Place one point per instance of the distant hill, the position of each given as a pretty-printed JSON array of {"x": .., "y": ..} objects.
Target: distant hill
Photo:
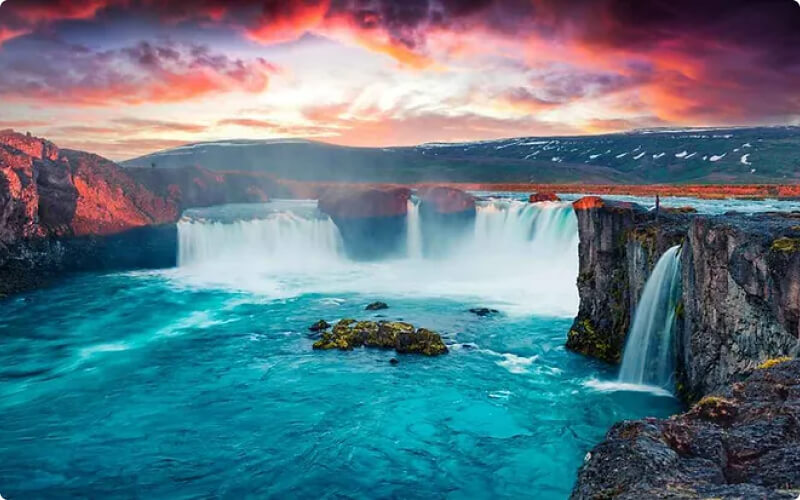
[{"x": 698, "y": 155}]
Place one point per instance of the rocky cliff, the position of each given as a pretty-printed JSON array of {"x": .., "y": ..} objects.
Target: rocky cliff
[
  {"x": 740, "y": 287},
  {"x": 742, "y": 443},
  {"x": 64, "y": 210},
  {"x": 741, "y": 297},
  {"x": 620, "y": 244}
]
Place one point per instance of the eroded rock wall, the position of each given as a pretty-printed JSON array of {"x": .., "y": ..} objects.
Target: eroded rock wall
[
  {"x": 620, "y": 244},
  {"x": 741, "y": 297}
]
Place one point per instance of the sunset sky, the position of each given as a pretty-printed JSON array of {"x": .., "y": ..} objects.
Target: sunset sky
[{"x": 127, "y": 77}]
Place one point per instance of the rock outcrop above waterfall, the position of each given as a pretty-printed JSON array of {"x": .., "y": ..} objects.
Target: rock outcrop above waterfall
[
  {"x": 620, "y": 244},
  {"x": 742, "y": 443},
  {"x": 405, "y": 338},
  {"x": 447, "y": 215},
  {"x": 372, "y": 221},
  {"x": 741, "y": 297},
  {"x": 543, "y": 196}
]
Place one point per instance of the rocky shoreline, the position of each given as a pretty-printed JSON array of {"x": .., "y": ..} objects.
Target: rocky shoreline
[{"x": 741, "y": 443}]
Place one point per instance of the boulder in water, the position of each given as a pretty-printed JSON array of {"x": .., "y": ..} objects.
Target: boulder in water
[
  {"x": 446, "y": 200},
  {"x": 319, "y": 326},
  {"x": 484, "y": 311},
  {"x": 377, "y": 306},
  {"x": 348, "y": 334},
  {"x": 543, "y": 196}
]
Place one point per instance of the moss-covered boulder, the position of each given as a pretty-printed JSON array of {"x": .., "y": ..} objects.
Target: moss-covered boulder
[{"x": 348, "y": 334}]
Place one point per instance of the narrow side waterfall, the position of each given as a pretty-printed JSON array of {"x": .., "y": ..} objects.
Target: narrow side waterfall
[
  {"x": 413, "y": 230},
  {"x": 649, "y": 351}
]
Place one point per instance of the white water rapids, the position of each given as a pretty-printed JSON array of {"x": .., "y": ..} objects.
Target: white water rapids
[{"x": 520, "y": 258}]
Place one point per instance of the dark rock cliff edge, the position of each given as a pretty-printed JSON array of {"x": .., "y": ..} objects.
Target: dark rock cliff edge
[{"x": 737, "y": 331}]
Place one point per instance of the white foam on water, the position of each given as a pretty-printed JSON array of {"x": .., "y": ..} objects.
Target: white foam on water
[
  {"x": 521, "y": 258},
  {"x": 616, "y": 386}
]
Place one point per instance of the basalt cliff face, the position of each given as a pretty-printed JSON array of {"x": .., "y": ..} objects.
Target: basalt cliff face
[
  {"x": 64, "y": 210},
  {"x": 740, "y": 282},
  {"x": 742, "y": 443},
  {"x": 620, "y": 244},
  {"x": 741, "y": 297}
]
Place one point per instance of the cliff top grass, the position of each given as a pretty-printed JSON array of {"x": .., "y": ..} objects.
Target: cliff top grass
[
  {"x": 786, "y": 245},
  {"x": 773, "y": 362}
]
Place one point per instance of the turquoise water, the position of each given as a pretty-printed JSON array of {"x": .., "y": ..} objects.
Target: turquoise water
[{"x": 164, "y": 385}]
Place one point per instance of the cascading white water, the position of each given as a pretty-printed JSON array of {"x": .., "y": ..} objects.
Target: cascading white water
[
  {"x": 413, "y": 230},
  {"x": 649, "y": 351},
  {"x": 520, "y": 257},
  {"x": 282, "y": 240}
]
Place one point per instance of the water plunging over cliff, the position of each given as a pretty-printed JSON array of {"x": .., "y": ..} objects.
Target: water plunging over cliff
[
  {"x": 518, "y": 257},
  {"x": 413, "y": 230},
  {"x": 283, "y": 239},
  {"x": 649, "y": 351}
]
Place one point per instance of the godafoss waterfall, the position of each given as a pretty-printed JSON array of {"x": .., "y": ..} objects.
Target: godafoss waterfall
[
  {"x": 200, "y": 381},
  {"x": 649, "y": 358}
]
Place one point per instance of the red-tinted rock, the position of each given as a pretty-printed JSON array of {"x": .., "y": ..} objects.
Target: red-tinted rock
[
  {"x": 356, "y": 202},
  {"x": 31, "y": 146},
  {"x": 588, "y": 202},
  {"x": 543, "y": 196},
  {"x": 446, "y": 200}
]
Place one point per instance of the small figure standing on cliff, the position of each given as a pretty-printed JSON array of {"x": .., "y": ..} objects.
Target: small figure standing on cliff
[{"x": 658, "y": 204}]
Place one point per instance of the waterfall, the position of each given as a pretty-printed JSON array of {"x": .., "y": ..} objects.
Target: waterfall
[
  {"x": 649, "y": 352},
  {"x": 281, "y": 240},
  {"x": 413, "y": 230},
  {"x": 548, "y": 228},
  {"x": 518, "y": 257}
]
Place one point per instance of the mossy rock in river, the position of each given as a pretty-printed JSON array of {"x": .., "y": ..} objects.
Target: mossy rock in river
[{"x": 348, "y": 334}]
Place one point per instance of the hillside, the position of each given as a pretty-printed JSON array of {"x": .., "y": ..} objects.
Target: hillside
[{"x": 730, "y": 155}]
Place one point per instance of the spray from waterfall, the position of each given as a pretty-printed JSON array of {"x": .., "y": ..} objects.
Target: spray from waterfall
[{"x": 649, "y": 351}]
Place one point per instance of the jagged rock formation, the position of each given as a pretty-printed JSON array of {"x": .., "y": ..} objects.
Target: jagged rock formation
[
  {"x": 64, "y": 210},
  {"x": 741, "y": 297},
  {"x": 372, "y": 221},
  {"x": 620, "y": 244},
  {"x": 446, "y": 216},
  {"x": 348, "y": 334},
  {"x": 740, "y": 287},
  {"x": 743, "y": 443}
]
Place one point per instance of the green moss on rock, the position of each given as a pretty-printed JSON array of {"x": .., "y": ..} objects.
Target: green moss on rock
[
  {"x": 584, "y": 338},
  {"x": 786, "y": 245},
  {"x": 348, "y": 334}
]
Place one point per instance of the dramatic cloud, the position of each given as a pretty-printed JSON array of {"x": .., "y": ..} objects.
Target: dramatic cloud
[
  {"x": 514, "y": 66},
  {"x": 77, "y": 76}
]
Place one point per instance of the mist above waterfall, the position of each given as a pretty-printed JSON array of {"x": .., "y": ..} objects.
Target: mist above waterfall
[{"x": 517, "y": 257}]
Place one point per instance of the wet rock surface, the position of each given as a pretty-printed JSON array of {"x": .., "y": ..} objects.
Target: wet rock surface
[
  {"x": 377, "y": 306},
  {"x": 403, "y": 337},
  {"x": 484, "y": 311},
  {"x": 742, "y": 443},
  {"x": 447, "y": 217}
]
